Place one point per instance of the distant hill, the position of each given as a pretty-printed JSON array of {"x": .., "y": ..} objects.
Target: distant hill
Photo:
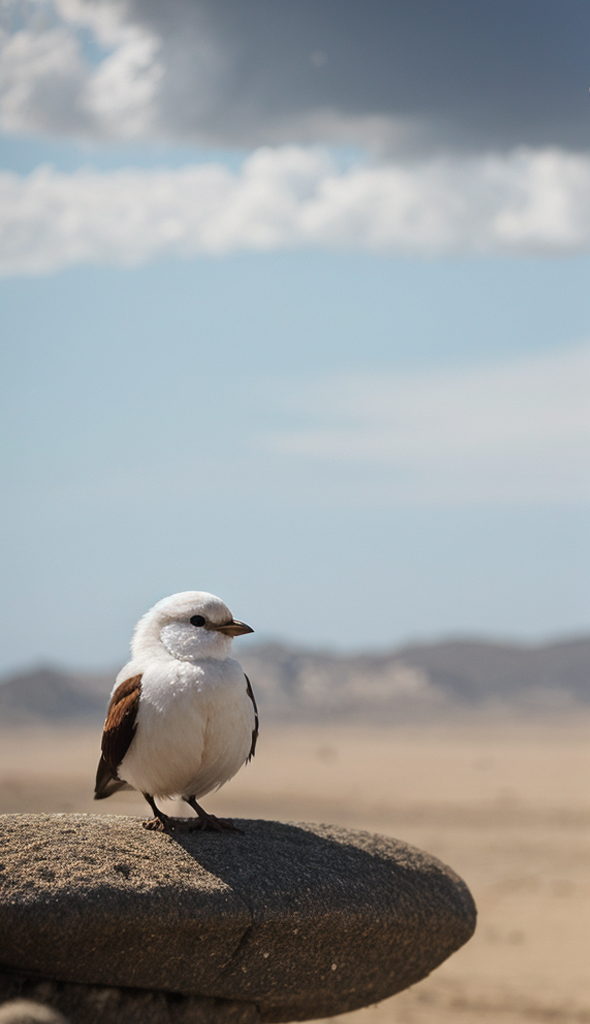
[
  {"x": 52, "y": 695},
  {"x": 422, "y": 678},
  {"x": 414, "y": 681}
]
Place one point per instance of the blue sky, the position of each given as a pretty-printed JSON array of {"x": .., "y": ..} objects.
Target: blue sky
[{"x": 344, "y": 391}]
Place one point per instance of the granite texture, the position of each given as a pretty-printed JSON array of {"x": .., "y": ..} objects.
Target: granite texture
[{"x": 278, "y": 922}]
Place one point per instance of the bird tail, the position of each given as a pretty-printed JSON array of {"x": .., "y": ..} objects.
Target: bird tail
[{"x": 106, "y": 783}]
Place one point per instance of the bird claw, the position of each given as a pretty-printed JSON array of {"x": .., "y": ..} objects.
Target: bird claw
[
  {"x": 168, "y": 825},
  {"x": 208, "y": 824},
  {"x": 212, "y": 824},
  {"x": 158, "y": 825}
]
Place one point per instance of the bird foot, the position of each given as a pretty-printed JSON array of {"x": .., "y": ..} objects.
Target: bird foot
[
  {"x": 209, "y": 823},
  {"x": 170, "y": 825},
  {"x": 204, "y": 823},
  {"x": 158, "y": 825}
]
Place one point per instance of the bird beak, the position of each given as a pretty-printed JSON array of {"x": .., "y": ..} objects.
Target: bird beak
[{"x": 233, "y": 628}]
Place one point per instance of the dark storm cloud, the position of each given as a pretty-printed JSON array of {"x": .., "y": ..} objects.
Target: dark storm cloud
[
  {"x": 487, "y": 72},
  {"x": 472, "y": 74}
]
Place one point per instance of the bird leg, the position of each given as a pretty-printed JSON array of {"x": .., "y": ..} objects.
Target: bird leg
[
  {"x": 160, "y": 822},
  {"x": 208, "y": 822},
  {"x": 165, "y": 823}
]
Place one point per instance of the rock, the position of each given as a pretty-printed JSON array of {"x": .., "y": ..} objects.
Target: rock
[
  {"x": 23, "y": 1011},
  {"x": 276, "y": 923}
]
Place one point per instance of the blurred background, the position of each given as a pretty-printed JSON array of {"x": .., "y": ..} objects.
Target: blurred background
[{"x": 295, "y": 309}]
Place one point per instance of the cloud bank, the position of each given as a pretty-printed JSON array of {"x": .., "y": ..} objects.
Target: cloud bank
[
  {"x": 476, "y": 122},
  {"x": 514, "y": 432},
  {"x": 524, "y": 203}
]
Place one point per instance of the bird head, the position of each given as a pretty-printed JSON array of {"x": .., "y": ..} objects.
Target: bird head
[{"x": 187, "y": 626}]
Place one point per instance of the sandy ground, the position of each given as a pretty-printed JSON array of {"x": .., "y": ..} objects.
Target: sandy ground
[{"x": 506, "y": 805}]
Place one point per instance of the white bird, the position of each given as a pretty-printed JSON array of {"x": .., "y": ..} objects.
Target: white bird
[{"x": 182, "y": 718}]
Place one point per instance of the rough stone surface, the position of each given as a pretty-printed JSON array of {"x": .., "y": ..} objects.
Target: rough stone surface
[{"x": 276, "y": 923}]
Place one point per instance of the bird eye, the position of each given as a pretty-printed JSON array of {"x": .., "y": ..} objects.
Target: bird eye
[{"x": 197, "y": 620}]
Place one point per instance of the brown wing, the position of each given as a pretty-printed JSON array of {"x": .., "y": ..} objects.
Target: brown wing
[
  {"x": 119, "y": 730},
  {"x": 255, "y": 729}
]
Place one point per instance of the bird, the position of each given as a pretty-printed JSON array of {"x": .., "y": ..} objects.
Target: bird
[{"x": 182, "y": 718}]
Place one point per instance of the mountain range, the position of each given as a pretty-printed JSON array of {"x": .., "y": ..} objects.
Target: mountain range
[{"x": 422, "y": 680}]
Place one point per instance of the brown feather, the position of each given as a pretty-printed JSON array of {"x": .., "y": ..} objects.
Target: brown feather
[
  {"x": 250, "y": 693},
  {"x": 119, "y": 730}
]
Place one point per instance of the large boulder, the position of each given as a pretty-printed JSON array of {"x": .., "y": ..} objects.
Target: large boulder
[{"x": 275, "y": 923}]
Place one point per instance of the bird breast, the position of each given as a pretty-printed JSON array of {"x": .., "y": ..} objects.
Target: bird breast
[{"x": 194, "y": 728}]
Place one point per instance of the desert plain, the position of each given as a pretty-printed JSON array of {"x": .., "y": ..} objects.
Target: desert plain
[{"x": 504, "y": 800}]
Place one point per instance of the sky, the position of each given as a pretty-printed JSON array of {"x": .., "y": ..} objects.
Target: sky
[{"x": 294, "y": 310}]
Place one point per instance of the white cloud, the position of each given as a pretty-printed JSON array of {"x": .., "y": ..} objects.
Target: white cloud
[
  {"x": 518, "y": 431},
  {"x": 527, "y": 202},
  {"x": 137, "y": 80},
  {"x": 40, "y": 75}
]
